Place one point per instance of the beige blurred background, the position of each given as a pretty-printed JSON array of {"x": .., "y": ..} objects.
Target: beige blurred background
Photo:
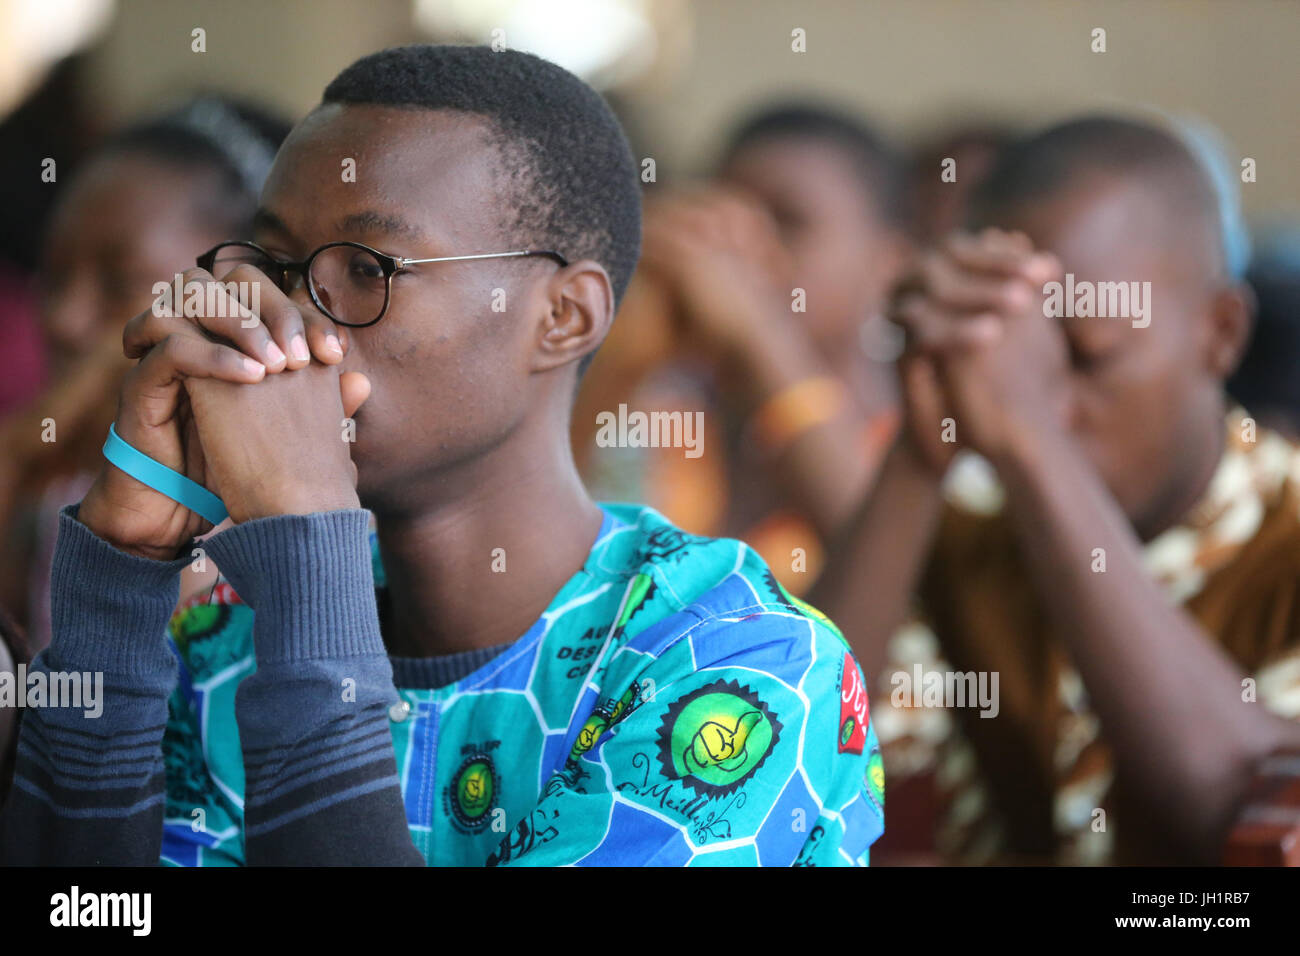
[{"x": 682, "y": 70}]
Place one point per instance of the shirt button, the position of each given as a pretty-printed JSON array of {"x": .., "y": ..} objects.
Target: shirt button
[{"x": 399, "y": 712}]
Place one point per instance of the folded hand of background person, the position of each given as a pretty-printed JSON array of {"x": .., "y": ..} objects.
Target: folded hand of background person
[
  {"x": 721, "y": 256},
  {"x": 154, "y": 409},
  {"x": 980, "y": 351}
]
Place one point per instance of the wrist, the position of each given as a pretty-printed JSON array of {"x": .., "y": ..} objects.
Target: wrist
[
  {"x": 753, "y": 343},
  {"x": 294, "y": 498},
  {"x": 910, "y": 459},
  {"x": 1029, "y": 450},
  {"x": 99, "y": 517},
  {"x": 310, "y": 578},
  {"x": 796, "y": 409}
]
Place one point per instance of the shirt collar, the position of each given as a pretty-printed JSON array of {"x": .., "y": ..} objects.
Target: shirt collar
[{"x": 1255, "y": 466}]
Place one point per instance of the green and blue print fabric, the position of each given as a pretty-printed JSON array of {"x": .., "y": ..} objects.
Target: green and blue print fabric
[{"x": 674, "y": 705}]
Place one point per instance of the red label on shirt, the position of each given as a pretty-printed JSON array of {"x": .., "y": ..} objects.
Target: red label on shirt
[{"x": 854, "y": 715}]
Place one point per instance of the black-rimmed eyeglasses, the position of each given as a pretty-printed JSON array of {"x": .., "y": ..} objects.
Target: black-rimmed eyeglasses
[{"x": 349, "y": 282}]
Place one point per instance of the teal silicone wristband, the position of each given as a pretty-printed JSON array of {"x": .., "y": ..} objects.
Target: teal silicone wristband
[{"x": 162, "y": 479}]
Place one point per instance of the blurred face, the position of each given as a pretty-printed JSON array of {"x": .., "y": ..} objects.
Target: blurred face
[
  {"x": 450, "y": 377},
  {"x": 125, "y": 223},
  {"x": 1142, "y": 398},
  {"x": 843, "y": 255}
]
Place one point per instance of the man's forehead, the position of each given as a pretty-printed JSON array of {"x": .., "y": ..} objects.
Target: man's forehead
[
  {"x": 374, "y": 130},
  {"x": 1107, "y": 227},
  {"x": 364, "y": 222},
  {"x": 360, "y": 169}
]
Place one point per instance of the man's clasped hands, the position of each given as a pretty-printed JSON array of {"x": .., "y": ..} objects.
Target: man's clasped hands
[{"x": 210, "y": 399}]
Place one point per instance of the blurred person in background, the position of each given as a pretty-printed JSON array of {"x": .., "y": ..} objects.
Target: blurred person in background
[
  {"x": 759, "y": 303},
  {"x": 55, "y": 123},
  {"x": 1133, "y": 586},
  {"x": 142, "y": 206}
]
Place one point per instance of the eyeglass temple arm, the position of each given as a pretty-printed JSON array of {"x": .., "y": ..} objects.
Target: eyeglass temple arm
[{"x": 486, "y": 255}]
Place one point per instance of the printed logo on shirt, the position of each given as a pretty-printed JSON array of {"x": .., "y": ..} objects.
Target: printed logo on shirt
[
  {"x": 809, "y": 849},
  {"x": 716, "y": 737},
  {"x": 607, "y": 714},
  {"x": 198, "y": 622},
  {"x": 472, "y": 793},
  {"x": 667, "y": 542},
  {"x": 876, "y": 778},
  {"x": 640, "y": 593},
  {"x": 854, "y": 715}
]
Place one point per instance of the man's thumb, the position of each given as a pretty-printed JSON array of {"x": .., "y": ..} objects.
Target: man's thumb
[{"x": 355, "y": 389}]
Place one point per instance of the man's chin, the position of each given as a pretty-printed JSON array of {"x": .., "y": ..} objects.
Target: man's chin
[
  {"x": 367, "y": 473},
  {"x": 377, "y": 490},
  {"x": 366, "y": 484}
]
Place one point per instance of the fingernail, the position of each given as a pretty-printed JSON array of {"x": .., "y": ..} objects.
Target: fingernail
[
  {"x": 332, "y": 344},
  {"x": 274, "y": 354},
  {"x": 298, "y": 346},
  {"x": 254, "y": 367}
]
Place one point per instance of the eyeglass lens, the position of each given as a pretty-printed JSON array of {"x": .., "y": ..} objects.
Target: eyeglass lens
[{"x": 349, "y": 283}]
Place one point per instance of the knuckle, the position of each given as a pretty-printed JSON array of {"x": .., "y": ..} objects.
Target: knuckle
[
  {"x": 149, "y": 327},
  {"x": 942, "y": 279},
  {"x": 243, "y": 269},
  {"x": 290, "y": 314},
  {"x": 136, "y": 325},
  {"x": 930, "y": 264},
  {"x": 955, "y": 243},
  {"x": 171, "y": 348}
]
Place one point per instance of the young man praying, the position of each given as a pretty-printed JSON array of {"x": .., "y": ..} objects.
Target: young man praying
[
  {"x": 1134, "y": 583},
  {"x": 508, "y": 673}
]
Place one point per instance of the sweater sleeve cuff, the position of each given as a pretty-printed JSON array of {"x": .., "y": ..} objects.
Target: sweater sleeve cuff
[
  {"x": 310, "y": 580},
  {"x": 109, "y": 609}
]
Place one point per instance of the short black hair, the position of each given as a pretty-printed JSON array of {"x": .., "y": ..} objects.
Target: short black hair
[
  {"x": 1046, "y": 162},
  {"x": 879, "y": 166},
  {"x": 575, "y": 183},
  {"x": 234, "y": 139}
]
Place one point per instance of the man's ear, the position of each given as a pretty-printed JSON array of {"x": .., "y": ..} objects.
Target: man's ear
[
  {"x": 1231, "y": 320},
  {"x": 581, "y": 307}
]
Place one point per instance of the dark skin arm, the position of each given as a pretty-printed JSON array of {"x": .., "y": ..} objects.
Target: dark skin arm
[
  {"x": 269, "y": 446},
  {"x": 1168, "y": 698},
  {"x": 885, "y": 544},
  {"x": 889, "y": 536}
]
